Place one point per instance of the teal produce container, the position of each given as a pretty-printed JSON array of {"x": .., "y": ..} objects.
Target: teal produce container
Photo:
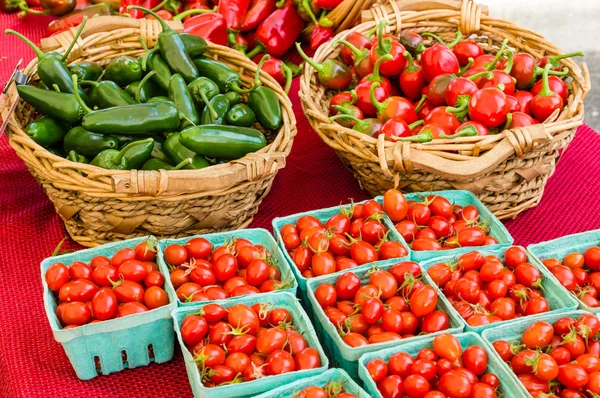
[
  {"x": 509, "y": 384},
  {"x": 346, "y": 357},
  {"x": 254, "y": 387},
  {"x": 558, "y": 298},
  {"x": 257, "y": 236},
  {"x": 559, "y": 248},
  {"x": 116, "y": 344}
]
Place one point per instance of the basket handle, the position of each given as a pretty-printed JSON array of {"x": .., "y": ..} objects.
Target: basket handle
[
  {"x": 149, "y": 30},
  {"x": 250, "y": 168},
  {"x": 517, "y": 141}
]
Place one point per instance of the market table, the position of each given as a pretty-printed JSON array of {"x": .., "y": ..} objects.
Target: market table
[{"x": 32, "y": 364}]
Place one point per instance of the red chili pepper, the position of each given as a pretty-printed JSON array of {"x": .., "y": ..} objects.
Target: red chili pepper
[
  {"x": 359, "y": 41},
  {"x": 278, "y": 70},
  {"x": 466, "y": 49},
  {"x": 388, "y": 45},
  {"x": 327, "y": 4},
  {"x": 359, "y": 58},
  {"x": 211, "y": 27},
  {"x": 258, "y": 11},
  {"x": 341, "y": 99},
  {"x": 234, "y": 12},
  {"x": 81, "y": 4},
  {"x": 546, "y": 101},
  {"x": 413, "y": 42},
  {"x": 197, "y": 5},
  {"x": 481, "y": 129},
  {"x": 489, "y": 106},
  {"x": 525, "y": 70},
  {"x": 331, "y": 74},
  {"x": 441, "y": 116},
  {"x": 519, "y": 119},
  {"x": 439, "y": 58},
  {"x": 424, "y": 107},
  {"x": 513, "y": 104},
  {"x": 524, "y": 99},
  {"x": 136, "y": 14},
  {"x": 556, "y": 84},
  {"x": 278, "y": 33},
  {"x": 411, "y": 79},
  {"x": 352, "y": 111},
  {"x": 436, "y": 89},
  {"x": 320, "y": 35},
  {"x": 461, "y": 89},
  {"x": 73, "y": 19},
  {"x": 397, "y": 128},
  {"x": 393, "y": 107},
  {"x": 363, "y": 89}
]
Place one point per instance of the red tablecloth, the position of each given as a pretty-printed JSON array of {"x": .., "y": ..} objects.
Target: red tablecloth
[{"x": 32, "y": 364}]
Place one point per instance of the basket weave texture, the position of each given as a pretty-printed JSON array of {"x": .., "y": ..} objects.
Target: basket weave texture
[
  {"x": 99, "y": 205},
  {"x": 507, "y": 171}
]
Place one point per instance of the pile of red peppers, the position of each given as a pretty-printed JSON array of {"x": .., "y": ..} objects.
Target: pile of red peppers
[{"x": 410, "y": 91}]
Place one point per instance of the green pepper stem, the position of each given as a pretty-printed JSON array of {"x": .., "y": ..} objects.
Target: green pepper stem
[
  {"x": 324, "y": 21},
  {"x": 380, "y": 106},
  {"x": 457, "y": 38},
  {"x": 193, "y": 11},
  {"x": 72, "y": 156},
  {"x": 138, "y": 93},
  {"x": 343, "y": 110},
  {"x": 79, "y": 31},
  {"x": 310, "y": 61},
  {"x": 280, "y": 3},
  {"x": 88, "y": 83},
  {"x": 383, "y": 47},
  {"x": 416, "y": 124},
  {"x": 258, "y": 69},
  {"x": 81, "y": 103},
  {"x": 56, "y": 88},
  {"x": 375, "y": 76},
  {"x": 165, "y": 26},
  {"x": 359, "y": 54},
  {"x": 466, "y": 67},
  {"x": 509, "y": 63},
  {"x": 555, "y": 58},
  {"x": 295, "y": 69},
  {"x": 410, "y": 62},
  {"x": 467, "y": 131},
  {"x": 287, "y": 72},
  {"x": 509, "y": 118},
  {"x": 420, "y": 103},
  {"x": 540, "y": 71},
  {"x": 119, "y": 156},
  {"x": 371, "y": 32},
  {"x": 306, "y": 5},
  {"x": 212, "y": 111},
  {"x": 434, "y": 37},
  {"x": 463, "y": 105},
  {"x": 256, "y": 50},
  {"x": 423, "y": 136},
  {"x": 487, "y": 75},
  {"x": 359, "y": 124},
  {"x": 546, "y": 91},
  {"x": 492, "y": 65},
  {"x": 39, "y": 53},
  {"x": 183, "y": 163},
  {"x": 159, "y": 6},
  {"x": 26, "y": 10}
]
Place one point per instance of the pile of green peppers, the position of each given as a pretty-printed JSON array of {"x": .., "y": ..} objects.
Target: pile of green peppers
[{"x": 171, "y": 108}]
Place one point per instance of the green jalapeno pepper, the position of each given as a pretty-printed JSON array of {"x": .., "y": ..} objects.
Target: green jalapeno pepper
[
  {"x": 233, "y": 97},
  {"x": 172, "y": 49},
  {"x": 137, "y": 155},
  {"x": 113, "y": 159},
  {"x": 194, "y": 45},
  {"x": 178, "y": 153},
  {"x": 60, "y": 106},
  {"x": 266, "y": 106},
  {"x": 226, "y": 78},
  {"x": 41, "y": 85},
  {"x": 86, "y": 143},
  {"x": 159, "y": 153},
  {"x": 123, "y": 70},
  {"x": 46, "y": 131},
  {"x": 160, "y": 98},
  {"x": 107, "y": 94},
  {"x": 223, "y": 142},
  {"x": 220, "y": 106},
  {"x": 157, "y": 164},
  {"x": 75, "y": 157},
  {"x": 86, "y": 70},
  {"x": 240, "y": 115},
  {"x": 51, "y": 67},
  {"x": 147, "y": 91},
  {"x": 203, "y": 90},
  {"x": 152, "y": 60},
  {"x": 181, "y": 97},
  {"x": 56, "y": 152}
]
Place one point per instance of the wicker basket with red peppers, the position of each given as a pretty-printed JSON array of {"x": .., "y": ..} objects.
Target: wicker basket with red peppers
[{"x": 467, "y": 107}]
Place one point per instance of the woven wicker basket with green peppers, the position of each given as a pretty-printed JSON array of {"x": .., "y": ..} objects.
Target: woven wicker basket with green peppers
[{"x": 171, "y": 108}]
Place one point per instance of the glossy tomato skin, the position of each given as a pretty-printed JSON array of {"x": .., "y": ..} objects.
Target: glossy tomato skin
[
  {"x": 56, "y": 276},
  {"x": 79, "y": 290},
  {"x": 391, "y": 387}
]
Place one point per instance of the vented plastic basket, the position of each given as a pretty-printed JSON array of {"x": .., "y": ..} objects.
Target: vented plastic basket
[
  {"x": 514, "y": 331},
  {"x": 254, "y": 387},
  {"x": 559, "y": 248},
  {"x": 257, "y": 236},
  {"x": 116, "y": 344},
  {"x": 346, "y": 357},
  {"x": 558, "y": 298},
  {"x": 336, "y": 375},
  {"x": 510, "y": 386}
]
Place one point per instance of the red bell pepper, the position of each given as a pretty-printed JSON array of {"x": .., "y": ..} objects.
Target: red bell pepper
[
  {"x": 258, "y": 11},
  {"x": 234, "y": 12},
  {"x": 327, "y": 4},
  {"x": 137, "y": 14},
  {"x": 278, "y": 33},
  {"x": 320, "y": 35},
  {"x": 150, "y": 4},
  {"x": 75, "y": 18},
  {"x": 211, "y": 27}
]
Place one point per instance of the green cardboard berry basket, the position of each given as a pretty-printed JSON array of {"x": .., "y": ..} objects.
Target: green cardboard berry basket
[
  {"x": 559, "y": 248},
  {"x": 514, "y": 331},
  {"x": 558, "y": 298},
  {"x": 332, "y": 375},
  {"x": 252, "y": 388},
  {"x": 509, "y": 384},
  {"x": 346, "y": 357},
  {"x": 257, "y": 236},
  {"x": 116, "y": 344}
]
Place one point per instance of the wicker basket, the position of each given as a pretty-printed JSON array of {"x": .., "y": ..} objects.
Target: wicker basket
[
  {"x": 345, "y": 15},
  {"x": 99, "y": 205},
  {"x": 507, "y": 171}
]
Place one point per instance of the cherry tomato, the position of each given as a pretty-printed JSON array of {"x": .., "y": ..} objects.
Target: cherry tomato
[
  {"x": 424, "y": 368},
  {"x": 98, "y": 261},
  {"x": 175, "y": 254},
  {"x": 121, "y": 256},
  {"x": 423, "y": 301},
  {"x": 279, "y": 362},
  {"x": 104, "y": 304},
  {"x": 80, "y": 270},
  {"x": 133, "y": 270},
  {"x": 416, "y": 385},
  {"x": 131, "y": 309},
  {"x": 407, "y": 229},
  {"x": 377, "y": 369},
  {"x": 155, "y": 297},
  {"x": 434, "y": 322},
  {"x": 447, "y": 346},
  {"x": 538, "y": 335},
  {"x": 391, "y": 387},
  {"x": 279, "y": 316},
  {"x": 237, "y": 361},
  {"x": 79, "y": 290},
  {"x": 307, "y": 359},
  {"x": 355, "y": 339},
  {"x": 338, "y": 224},
  {"x": 242, "y": 316},
  {"x": 372, "y": 310},
  {"x": 56, "y": 276},
  {"x": 211, "y": 355},
  {"x": 591, "y": 258},
  {"x": 455, "y": 384},
  {"x": 326, "y": 295},
  {"x": 306, "y": 222},
  {"x": 225, "y": 267},
  {"x": 295, "y": 342},
  {"x": 178, "y": 277},
  {"x": 198, "y": 248},
  {"x": 572, "y": 375},
  {"x": 272, "y": 339},
  {"x": 363, "y": 252},
  {"x": 395, "y": 205},
  {"x": 76, "y": 313}
]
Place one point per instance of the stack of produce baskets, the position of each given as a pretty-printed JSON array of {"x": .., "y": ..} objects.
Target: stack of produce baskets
[
  {"x": 100, "y": 205},
  {"x": 507, "y": 171}
]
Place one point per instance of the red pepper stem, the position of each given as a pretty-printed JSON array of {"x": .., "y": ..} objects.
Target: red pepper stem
[
  {"x": 420, "y": 103},
  {"x": 423, "y": 136},
  {"x": 354, "y": 97},
  {"x": 343, "y": 110},
  {"x": 280, "y": 3},
  {"x": 411, "y": 63},
  {"x": 287, "y": 72},
  {"x": 546, "y": 91},
  {"x": 306, "y": 5},
  {"x": 324, "y": 21},
  {"x": 81, "y": 26},
  {"x": 257, "y": 73},
  {"x": 380, "y": 106},
  {"x": 256, "y": 50},
  {"x": 138, "y": 94},
  {"x": 165, "y": 26},
  {"x": 487, "y": 75},
  {"x": 81, "y": 103},
  {"x": 39, "y": 53},
  {"x": 371, "y": 32},
  {"x": 194, "y": 11},
  {"x": 467, "y": 131},
  {"x": 457, "y": 38},
  {"x": 555, "y": 58},
  {"x": 540, "y": 71},
  {"x": 416, "y": 124},
  {"x": 375, "y": 76},
  {"x": 359, "y": 54},
  {"x": 463, "y": 105},
  {"x": 346, "y": 117},
  {"x": 466, "y": 67},
  {"x": 383, "y": 47},
  {"x": 310, "y": 61},
  {"x": 509, "y": 118},
  {"x": 509, "y": 64},
  {"x": 492, "y": 65}
]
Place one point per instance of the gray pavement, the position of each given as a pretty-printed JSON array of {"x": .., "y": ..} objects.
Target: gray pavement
[{"x": 592, "y": 101}]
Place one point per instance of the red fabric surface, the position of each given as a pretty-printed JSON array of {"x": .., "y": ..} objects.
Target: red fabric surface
[{"x": 32, "y": 364}]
